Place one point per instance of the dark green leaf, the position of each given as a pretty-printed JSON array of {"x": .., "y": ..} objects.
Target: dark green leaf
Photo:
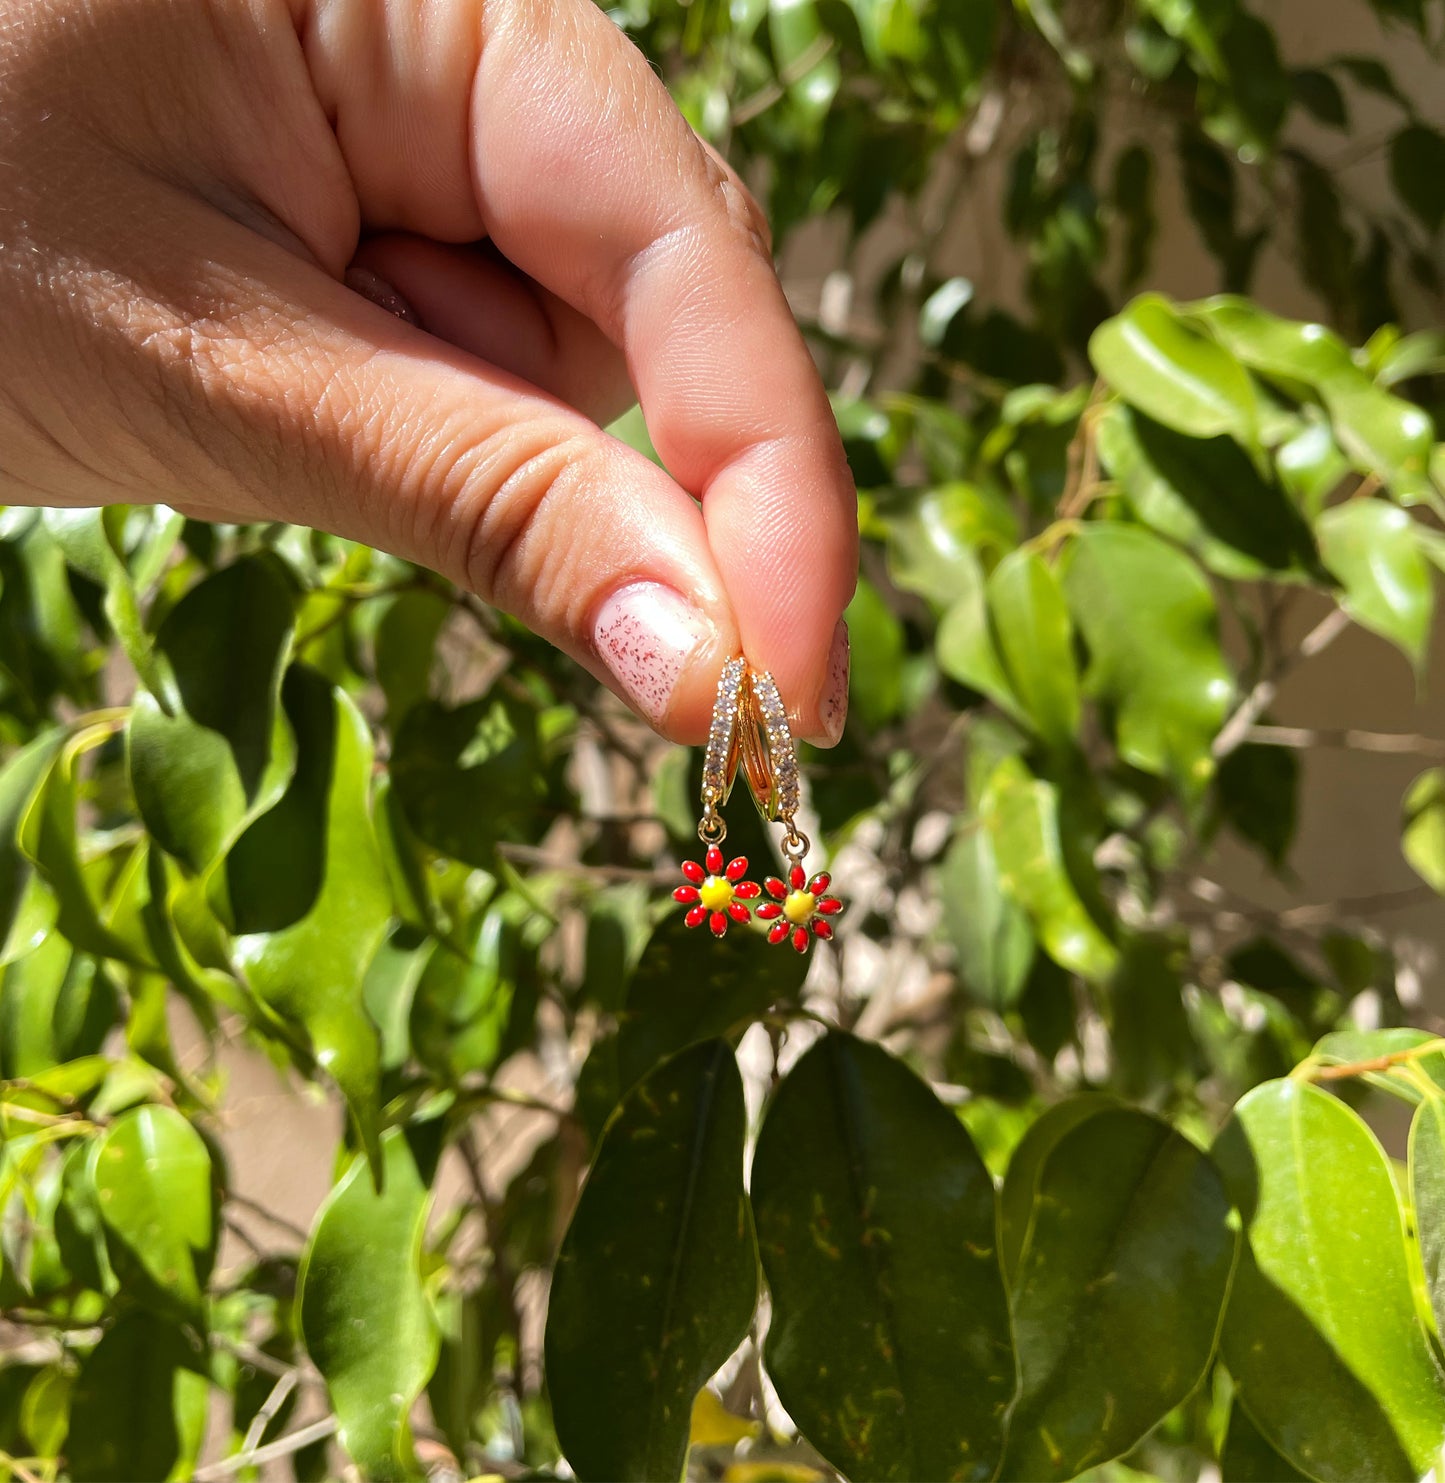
[
  {"x": 1153, "y": 1045},
  {"x": 305, "y": 954},
  {"x": 889, "y": 1342},
  {"x": 1134, "y": 203},
  {"x": 1107, "y": 1343},
  {"x": 657, "y": 1277},
  {"x": 26, "y": 908},
  {"x": 1148, "y": 617},
  {"x": 138, "y": 1411},
  {"x": 1258, "y": 792},
  {"x": 1320, "y": 95},
  {"x": 1371, "y": 547},
  {"x": 1326, "y": 246},
  {"x": 1151, "y": 357},
  {"x": 54, "y": 1007},
  {"x": 209, "y": 752},
  {"x": 1322, "y": 1336},
  {"x": 1247, "y": 1456},
  {"x": 406, "y": 640},
  {"x": 364, "y": 1314},
  {"x": 1417, "y": 171}
]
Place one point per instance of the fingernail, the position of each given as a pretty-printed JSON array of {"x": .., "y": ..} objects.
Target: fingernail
[
  {"x": 833, "y": 707},
  {"x": 645, "y": 634},
  {"x": 374, "y": 287}
]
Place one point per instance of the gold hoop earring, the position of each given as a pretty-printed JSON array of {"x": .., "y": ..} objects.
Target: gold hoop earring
[
  {"x": 715, "y": 890},
  {"x": 799, "y": 909}
]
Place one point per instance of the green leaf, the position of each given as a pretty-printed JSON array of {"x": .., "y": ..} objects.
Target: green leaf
[
  {"x": 877, "y": 652},
  {"x": 469, "y": 777},
  {"x": 1134, "y": 203},
  {"x": 989, "y": 931},
  {"x": 305, "y": 952},
  {"x": 1033, "y": 634},
  {"x": 1325, "y": 246},
  {"x": 1423, "y": 838},
  {"x": 26, "y": 909},
  {"x": 364, "y": 1315},
  {"x": 1148, "y": 1024},
  {"x": 1151, "y": 357},
  {"x": 889, "y": 1342},
  {"x": 1319, "y": 94},
  {"x": 1021, "y": 1183},
  {"x": 406, "y": 639},
  {"x": 55, "y": 1006},
  {"x": 1206, "y": 495},
  {"x": 1311, "y": 467},
  {"x": 208, "y": 752},
  {"x": 1148, "y": 617},
  {"x": 1021, "y": 815},
  {"x": 803, "y": 56},
  {"x": 1417, "y": 171},
  {"x": 1322, "y": 1335},
  {"x": 1427, "y": 1195},
  {"x": 1247, "y": 1456},
  {"x": 657, "y": 1276},
  {"x": 138, "y": 1411},
  {"x": 1373, "y": 76},
  {"x": 1107, "y": 1348},
  {"x": 965, "y": 644},
  {"x": 153, "y": 1181},
  {"x": 1372, "y": 548},
  {"x": 1257, "y": 788},
  {"x": 689, "y": 987},
  {"x": 935, "y": 537}
]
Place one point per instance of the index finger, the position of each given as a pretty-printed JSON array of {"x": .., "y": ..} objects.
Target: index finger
[{"x": 585, "y": 175}]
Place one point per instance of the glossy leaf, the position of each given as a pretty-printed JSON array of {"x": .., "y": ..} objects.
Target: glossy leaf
[
  {"x": 1322, "y": 1335},
  {"x": 55, "y": 1006},
  {"x": 1035, "y": 638},
  {"x": 989, "y": 931},
  {"x": 877, "y": 652},
  {"x": 1021, "y": 815},
  {"x": 1148, "y": 618},
  {"x": 1151, "y": 357},
  {"x": 364, "y": 1315},
  {"x": 23, "y": 919},
  {"x": 1423, "y": 838},
  {"x": 1247, "y": 1456},
  {"x": 889, "y": 1342},
  {"x": 1371, "y": 547},
  {"x": 208, "y": 752},
  {"x": 153, "y": 1182},
  {"x": 935, "y": 539},
  {"x": 1204, "y": 494},
  {"x": 1118, "y": 1293},
  {"x": 965, "y": 641},
  {"x": 310, "y": 940},
  {"x": 632, "y": 1338},
  {"x": 1427, "y": 1196},
  {"x": 406, "y": 640},
  {"x": 138, "y": 1411}
]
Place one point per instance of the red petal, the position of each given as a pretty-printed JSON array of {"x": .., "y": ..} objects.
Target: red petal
[
  {"x": 685, "y": 894},
  {"x": 714, "y": 859},
  {"x": 696, "y": 917},
  {"x": 797, "y": 877},
  {"x": 822, "y": 929},
  {"x": 746, "y": 890},
  {"x": 694, "y": 872},
  {"x": 779, "y": 932},
  {"x": 800, "y": 939},
  {"x": 768, "y": 910},
  {"x": 738, "y": 868},
  {"x": 775, "y": 888},
  {"x": 718, "y": 922},
  {"x": 830, "y": 906},
  {"x": 738, "y": 912},
  {"x": 819, "y": 883}
]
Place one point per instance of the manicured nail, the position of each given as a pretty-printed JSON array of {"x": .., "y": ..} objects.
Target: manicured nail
[
  {"x": 374, "y": 287},
  {"x": 833, "y": 707},
  {"x": 645, "y": 634}
]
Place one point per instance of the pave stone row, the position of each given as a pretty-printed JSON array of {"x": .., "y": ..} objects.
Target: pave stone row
[
  {"x": 724, "y": 726},
  {"x": 780, "y": 742}
]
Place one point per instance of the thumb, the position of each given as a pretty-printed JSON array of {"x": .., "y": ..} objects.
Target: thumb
[{"x": 334, "y": 413}]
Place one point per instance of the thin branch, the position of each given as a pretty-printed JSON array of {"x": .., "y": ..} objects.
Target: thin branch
[
  {"x": 1303, "y": 737},
  {"x": 271, "y": 1452},
  {"x": 17, "y": 1467},
  {"x": 235, "y": 1197},
  {"x": 1236, "y": 729},
  {"x": 765, "y": 97},
  {"x": 263, "y": 1418},
  {"x": 1374, "y": 1063}
]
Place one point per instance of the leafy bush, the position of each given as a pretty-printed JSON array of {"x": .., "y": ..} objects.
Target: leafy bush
[{"x": 1107, "y": 1195}]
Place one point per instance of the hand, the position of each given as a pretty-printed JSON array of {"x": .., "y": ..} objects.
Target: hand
[{"x": 186, "y": 190}]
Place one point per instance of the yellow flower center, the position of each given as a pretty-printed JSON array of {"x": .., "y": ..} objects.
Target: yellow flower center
[
  {"x": 799, "y": 907},
  {"x": 716, "y": 893}
]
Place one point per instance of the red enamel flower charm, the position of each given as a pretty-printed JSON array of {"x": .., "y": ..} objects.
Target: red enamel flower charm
[
  {"x": 799, "y": 907},
  {"x": 715, "y": 895}
]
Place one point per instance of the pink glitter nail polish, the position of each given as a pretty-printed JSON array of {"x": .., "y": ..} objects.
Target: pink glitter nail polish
[{"x": 644, "y": 634}]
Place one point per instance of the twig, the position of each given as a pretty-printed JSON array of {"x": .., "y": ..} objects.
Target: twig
[
  {"x": 1375, "y": 1063},
  {"x": 525, "y": 854},
  {"x": 235, "y": 1197},
  {"x": 1236, "y": 729},
  {"x": 271, "y": 1452},
  {"x": 765, "y": 97},
  {"x": 283, "y": 1387},
  {"x": 1411, "y": 744},
  {"x": 17, "y": 1467}
]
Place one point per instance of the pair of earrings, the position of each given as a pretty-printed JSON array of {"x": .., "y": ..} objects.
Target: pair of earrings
[{"x": 750, "y": 726}]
